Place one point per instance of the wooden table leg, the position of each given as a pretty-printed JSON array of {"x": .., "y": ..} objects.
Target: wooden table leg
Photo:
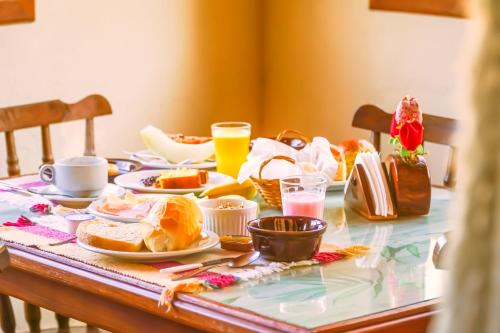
[
  {"x": 7, "y": 320},
  {"x": 33, "y": 316},
  {"x": 62, "y": 321}
]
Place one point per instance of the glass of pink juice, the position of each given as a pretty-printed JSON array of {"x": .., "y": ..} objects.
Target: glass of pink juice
[{"x": 303, "y": 195}]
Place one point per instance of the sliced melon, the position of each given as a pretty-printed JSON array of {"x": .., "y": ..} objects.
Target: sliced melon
[{"x": 175, "y": 152}]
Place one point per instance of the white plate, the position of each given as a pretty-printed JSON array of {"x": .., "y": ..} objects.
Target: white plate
[
  {"x": 160, "y": 163},
  {"x": 336, "y": 186},
  {"x": 132, "y": 181},
  {"x": 209, "y": 240},
  {"x": 92, "y": 209},
  {"x": 75, "y": 202}
]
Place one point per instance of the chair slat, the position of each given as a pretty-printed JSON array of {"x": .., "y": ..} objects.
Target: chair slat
[
  {"x": 12, "y": 160},
  {"x": 89, "y": 137},
  {"x": 50, "y": 112},
  {"x": 47, "y": 156}
]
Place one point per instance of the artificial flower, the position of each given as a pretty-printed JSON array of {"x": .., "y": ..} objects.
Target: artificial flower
[
  {"x": 411, "y": 135},
  {"x": 394, "y": 126},
  {"x": 408, "y": 110}
]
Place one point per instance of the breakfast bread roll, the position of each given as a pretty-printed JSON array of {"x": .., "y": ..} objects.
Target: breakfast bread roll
[
  {"x": 352, "y": 147},
  {"x": 174, "y": 223},
  {"x": 338, "y": 154}
]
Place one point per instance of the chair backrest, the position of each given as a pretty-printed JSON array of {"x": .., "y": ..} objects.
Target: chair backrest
[
  {"x": 45, "y": 113},
  {"x": 437, "y": 130}
]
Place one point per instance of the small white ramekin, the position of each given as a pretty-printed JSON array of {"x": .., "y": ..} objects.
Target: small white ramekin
[{"x": 227, "y": 221}]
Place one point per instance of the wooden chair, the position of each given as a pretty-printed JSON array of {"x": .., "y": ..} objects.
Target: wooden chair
[
  {"x": 43, "y": 115},
  {"x": 437, "y": 130}
]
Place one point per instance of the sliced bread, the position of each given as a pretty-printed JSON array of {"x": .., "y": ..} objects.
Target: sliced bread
[{"x": 111, "y": 235}]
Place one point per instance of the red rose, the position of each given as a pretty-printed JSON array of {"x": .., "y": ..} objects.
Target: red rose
[
  {"x": 411, "y": 135},
  {"x": 394, "y": 126}
]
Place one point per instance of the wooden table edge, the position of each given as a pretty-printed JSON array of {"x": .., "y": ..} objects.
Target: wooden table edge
[
  {"x": 193, "y": 310},
  {"x": 382, "y": 321}
]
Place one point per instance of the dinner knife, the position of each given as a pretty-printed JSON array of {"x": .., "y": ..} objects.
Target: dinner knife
[{"x": 188, "y": 267}]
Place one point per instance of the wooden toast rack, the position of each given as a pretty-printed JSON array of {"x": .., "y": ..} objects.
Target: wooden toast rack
[{"x": 409, "y": 188}]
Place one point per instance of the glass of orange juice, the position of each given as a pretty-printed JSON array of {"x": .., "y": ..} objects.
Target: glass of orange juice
[{"x": 232, "y": 142}]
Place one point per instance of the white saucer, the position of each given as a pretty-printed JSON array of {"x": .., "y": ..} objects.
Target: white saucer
[
  {"x": 51, "y": 193},
  {"x": 209, "y": 240}
]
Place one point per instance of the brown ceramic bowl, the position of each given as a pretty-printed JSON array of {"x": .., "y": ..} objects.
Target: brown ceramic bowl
[{"x": 287, "y": 238}]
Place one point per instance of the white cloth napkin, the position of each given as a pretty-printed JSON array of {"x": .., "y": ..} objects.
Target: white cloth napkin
[{"x": 314, "y": 158}]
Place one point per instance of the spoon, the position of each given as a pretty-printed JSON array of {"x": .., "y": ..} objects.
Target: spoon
[{"x": 237, "y": 262}]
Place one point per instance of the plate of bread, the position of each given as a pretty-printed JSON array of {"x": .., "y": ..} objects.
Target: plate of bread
[
  {"x": 172, "y": 228},
  {"x": 173, "y": 181}
]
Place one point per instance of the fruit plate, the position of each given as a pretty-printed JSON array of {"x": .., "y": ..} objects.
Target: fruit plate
[
  {"x": 209, "y": 240},
  {"x": 94, "y": 209},
  {"x": 154, "y": 161},
  {"x": 133, "y": 181}
]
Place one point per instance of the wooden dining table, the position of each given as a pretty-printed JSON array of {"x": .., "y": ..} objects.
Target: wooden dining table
[{"x": 395, "y": 288}]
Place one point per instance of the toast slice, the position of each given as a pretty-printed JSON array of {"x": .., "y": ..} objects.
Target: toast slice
[
  {"x": 183, "y": 178},
  {"x": 110, "y": 235}
]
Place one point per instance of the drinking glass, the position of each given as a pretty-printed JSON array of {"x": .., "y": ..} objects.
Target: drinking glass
[
  {"x": 232, "y": 142},
  {"x": 303, "y": 195}
]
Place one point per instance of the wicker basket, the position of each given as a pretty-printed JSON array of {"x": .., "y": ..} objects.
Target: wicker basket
[
  {"x": 288, "y": 135},
  {"x": 270, "y": 188}
]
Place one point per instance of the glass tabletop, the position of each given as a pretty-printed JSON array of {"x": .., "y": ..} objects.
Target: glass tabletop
[{"x": 399, "y": 270}]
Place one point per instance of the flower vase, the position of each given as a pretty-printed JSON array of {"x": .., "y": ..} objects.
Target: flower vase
[{"x": 411, "y": 183}]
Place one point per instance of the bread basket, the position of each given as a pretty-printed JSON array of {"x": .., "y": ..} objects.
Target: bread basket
[
  {"x": 270, "y": 188},
  {"x": 293, "y": 138}
]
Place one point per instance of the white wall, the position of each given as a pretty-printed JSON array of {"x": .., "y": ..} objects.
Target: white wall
[
  {"x": 326, "y": 58},
  {"x": 177, "y": 64}
]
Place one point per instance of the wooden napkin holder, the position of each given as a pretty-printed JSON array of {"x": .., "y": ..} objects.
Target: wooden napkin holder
[
  {"x": 409, "y": 186},
  {"x": 358, "y": 195}
]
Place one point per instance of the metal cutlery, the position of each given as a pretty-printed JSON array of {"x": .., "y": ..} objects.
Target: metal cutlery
[
  {"x": 69, "y": 240},
  {"x": 237, "y": 262},
  {"x": 188, "y": 267},
  {"x": 142, "y": 156},
  {"x": 30, "y": 191}
]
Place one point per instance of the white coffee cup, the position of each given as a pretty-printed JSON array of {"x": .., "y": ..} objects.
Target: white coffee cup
[{"x": 80, "y": 177}]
